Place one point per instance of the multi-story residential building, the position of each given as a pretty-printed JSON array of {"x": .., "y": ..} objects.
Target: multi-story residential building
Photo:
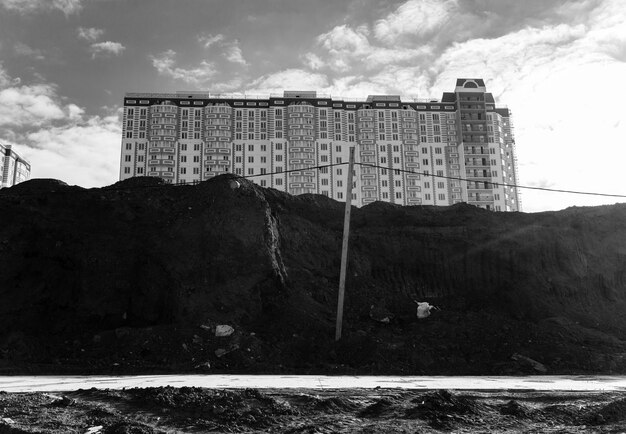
[
  {"x": 433, "y": 152},
  {"x": 13, "y": 168}
]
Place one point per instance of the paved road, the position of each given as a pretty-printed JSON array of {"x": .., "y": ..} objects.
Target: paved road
[{"x": 541, "y": 383}]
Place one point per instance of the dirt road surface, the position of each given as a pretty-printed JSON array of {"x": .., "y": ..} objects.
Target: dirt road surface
[{"x": 194, "y": 410}]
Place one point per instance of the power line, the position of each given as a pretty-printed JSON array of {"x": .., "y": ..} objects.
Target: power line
[
  {"x": 495, "y": 183},
  {"x": 456, "y": 178},
  {"x": 293, "y": 170}
]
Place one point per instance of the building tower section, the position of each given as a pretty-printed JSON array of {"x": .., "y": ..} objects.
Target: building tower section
[
  {"x": 13, "y": 168},
  {"x": 460, "y": 148}
]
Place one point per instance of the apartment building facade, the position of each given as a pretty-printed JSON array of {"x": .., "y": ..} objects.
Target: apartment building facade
[
  {"x": 13, "y": 168},
  {"x": 436, "y": 152}
]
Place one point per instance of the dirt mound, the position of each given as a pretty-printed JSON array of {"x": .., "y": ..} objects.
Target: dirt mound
[
  {"x": 137, "y": 182},
  {"x": 41, "y": 185},
  {"x": 125, "y": 277}
]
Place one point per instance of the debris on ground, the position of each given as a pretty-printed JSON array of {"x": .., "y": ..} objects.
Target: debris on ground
[{"x": 223, "y": 330}]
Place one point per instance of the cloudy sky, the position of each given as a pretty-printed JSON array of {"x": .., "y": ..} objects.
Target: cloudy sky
[{"x": 559, "y": 65}]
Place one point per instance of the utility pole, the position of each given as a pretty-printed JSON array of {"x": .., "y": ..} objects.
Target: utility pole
[{"x": 344, "y": 247}]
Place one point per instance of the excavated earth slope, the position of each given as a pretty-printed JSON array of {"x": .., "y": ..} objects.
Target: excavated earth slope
[{"x": 135, "y": 277}]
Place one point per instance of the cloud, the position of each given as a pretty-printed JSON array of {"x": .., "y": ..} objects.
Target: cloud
[
  {"x": 68, "y": 7},
  {"x": 288, "y": 79},
  {"x": 415, "y": 17},
  {"x": 56, "y": 137},
  {"x": 90, "y": 34},
  {"x": 233, "y": 54},
  {"x": 84, "y": 153},
  {"x": 34, "y": 105},
  {"x": 207, "y": 39},
  {"x": 344, "y": 48},
  {"x": 230, "y": 49},
  {"x": 107, "y": 48},
  {"x": 24, "y": 50},
  {"x": 165, "y": 64},
  {"x": 313, "y": 61}
]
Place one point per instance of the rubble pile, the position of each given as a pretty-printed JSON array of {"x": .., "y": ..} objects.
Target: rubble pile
[{"x": 142, "y": 276}]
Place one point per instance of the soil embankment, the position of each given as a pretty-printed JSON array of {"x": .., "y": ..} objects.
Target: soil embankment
[{"x": 135, "y": 277}]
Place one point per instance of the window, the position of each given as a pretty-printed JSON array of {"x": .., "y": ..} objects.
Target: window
[
  {"x": 437, "y": 150},
  {"x": 279, "y": 158},
  {"x": 425, "y": 161},
  {"x": 196, "y": 147},
  {"x": 196, "y": 159},
  {"x": 238, "y": 159},
  {"x": 396, "y": 148},
  {"x": 396, "y": 160},
  {"x": 251, "y": 148},
  {"x": 250, "y": 159},
  {"x": 263, "y": 159},
  {"x": 398, "y": 195},
  {"x": 183, "y": 135},
  {"x": 427, "y": 185},
  {"x": 339, "y": 172},
  {"x": 263, "y": 183},
  {"x": 279, "y": 146},
  {"x": 324, "y": 158},
  {"x": 339, "y": 183},
  {"x": 383, "y": 160},
  {"x": 398, "y": 183},
  {"x": 324, "y": 181},
  {"x": 441, "y": 196},
  {"x": 427, "y": 196},
  {"x": 250, "y": 136},
  {"x": 279, "y": 181},
  {"x": 129, "y": 134},
  {"x": 183, "y": 170},
  {"x": 381, "y": 137},
  {"x": 131, "y": 112},
  {"x": 435, "y": 118},
  {"x": 129, "y": 146},
  {"x": 439, "y": 161},
  {"x": 251, "y": 171},
  {"x": 338, "y": 160},
  {"x": 183, "y": 159},
  {"x": 441, "y": 185},
  {"x": 126, "y": 169}
]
